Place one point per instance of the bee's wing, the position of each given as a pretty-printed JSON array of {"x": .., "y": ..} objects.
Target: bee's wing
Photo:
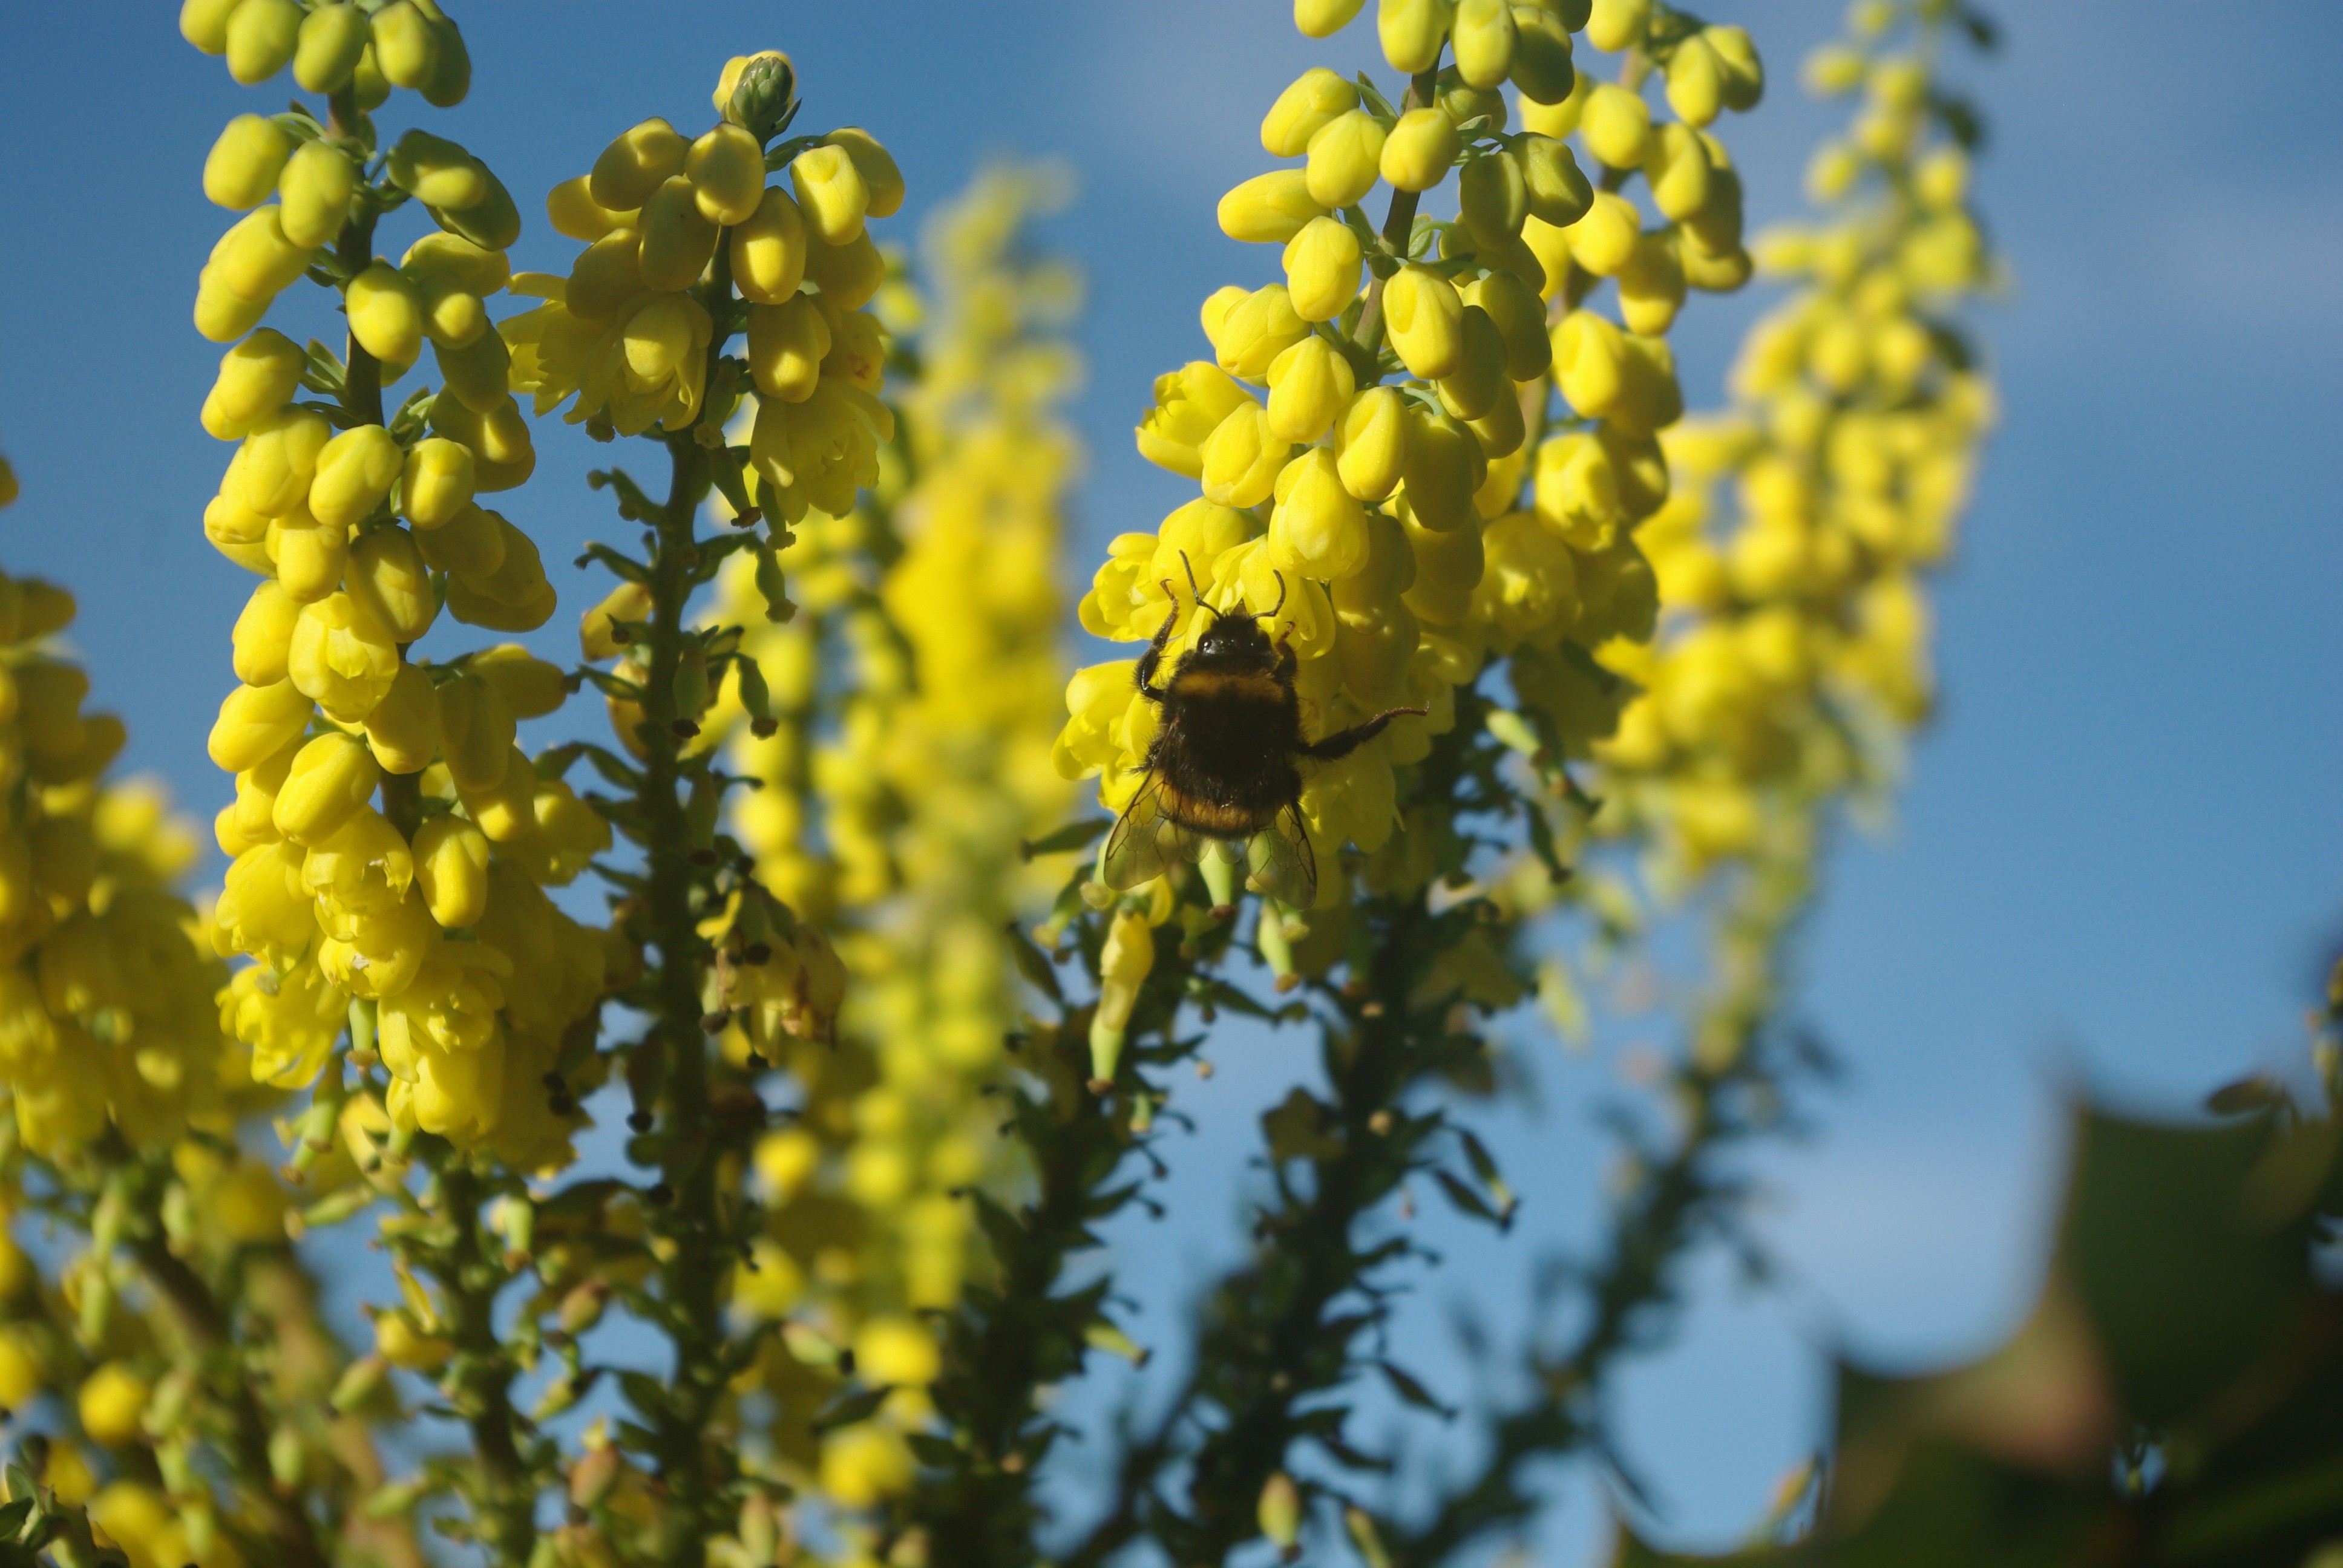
[
  {"x": 1146, "y": 842},
  {"x": 1280, "y": 863}
]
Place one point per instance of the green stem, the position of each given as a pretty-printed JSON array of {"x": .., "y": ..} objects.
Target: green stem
[
  {"x": 1399, "y": 222},
  {"x": 471, "y": 1274}
]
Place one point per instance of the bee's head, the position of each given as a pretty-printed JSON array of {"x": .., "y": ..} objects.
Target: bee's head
[{"x": 1234, "y": 637}]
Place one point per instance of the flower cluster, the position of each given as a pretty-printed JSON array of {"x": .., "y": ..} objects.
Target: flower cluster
[
  {"x": 391, "y": 841},
  {"x": 1378, "y": 490},
  {"x": 923, "y": 778}
]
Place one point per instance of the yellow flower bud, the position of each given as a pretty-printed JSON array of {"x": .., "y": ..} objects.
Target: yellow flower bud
[
  {"x": 1676, "y": 167},
  {"x": 1345, "y": 159},
  {"x": 314, "y": 193},
  {"x": 403, "y": 730},
  {"x": 451, "y": 868},
  {"x": 242, "y": 167},
  {"x": 386, "y": 314},
  {"x": 1559, "y": 119},
  {"x": 1444, "y": 468},
  {"x": 597, "y": 637},
  {"x": 387, "y": 576},
  {"x": 437, "y": 172},
  {"x": 1652, "y": 285},
  {"x": 1372, "y": 442},
  {"x": 1319, "y": 530},
  {"x": 880, "y": 177},
  {"x": 405, "y": 44},
  {"x": 1125, "y": 961},
  {"x": 1420, "y": 150},
  {"x": 254, "y": 259},
  {"x": 1603, "y": 241},
  {"x": 270, "y": 472},
  {"x": 1615, "y": 126},
  {"x": 111, "y": 1404},
  {"x": 847, "y": 275},
  {"x": 573, "y": 212},
  {"x": 1316, "y": 97},
  {"x": 1541, "y": 67},
  {"x": 1616, "y": 24},
  {"x": 1485, "y": 38},
  {"x": 1478, "y": 382},
  {"x": 502, "y": 455},
  {"x": 1529, "y": 584},
  {"x": 327, "y": 51},
  {"x": 1589, "y": 363},
  {"x": 261, "y": 37},
  {"x": 1241, "y": 458},
  {"x": 1520, "y": 320},
  {"x": 307, "y": 555},
  {"x": 1492, "y": 198},
  {"x": 1447, "y": 570},
  {"x": 436, "y": 485},
  {"x": 1309, "y": 385},
  {"x": 471, "y": 544},
  {"x": 1255, "y": 330},
  {"x": 637, "y": 163},
  {"x": 478, "y": 373},
  {"x": 1190, "y": 403},
  {"x": 787, "y": 343},
  {"x": 865, "y": 1463},
  {"x": 532, "y": 687},
  {"x": 1412, "y": 32},
  {"x": 342, "y": 656},
  {"x": 677, "y": 240},
  {"x": 331, "y": 779},
  {"x": 1423, "y": 319},
  {"x": 606, "y": 274},
  {"x": 515, "y": 596},
  {"x": 506, "y": 810},
  {"x": 1269, "y": 209},
  {"x": 1557, "y": 191},
  {"x": 222, "y": 315},
  {"x": 263, "y": 634},
  {"x": 1324, "y": 18},
  {"x": 1322, "y": 265},
  {"x": 355, "y": 471},
  {"x": 1577, "y": 490},
  {"x": 831, "y": 195},
  {"x": 768, "y": 250},
  {"x": 476, "y": 732},
  {"x": 1696, "y": 81},
  {"x": 204, "y": 24},
  {"x": 727, "y": 170},
  {"x": 257, "y": 377}
]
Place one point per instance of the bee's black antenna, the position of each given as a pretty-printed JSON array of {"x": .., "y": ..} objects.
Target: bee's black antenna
[
  {"x": 1191, "y": 570},
  {"x": 1280, "y": 594}
]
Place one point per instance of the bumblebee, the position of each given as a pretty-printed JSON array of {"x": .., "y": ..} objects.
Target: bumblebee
[{"x": 1223, "y": 774}]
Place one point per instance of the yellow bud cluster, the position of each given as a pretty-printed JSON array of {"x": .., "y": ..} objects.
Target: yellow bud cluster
[{"x": 337, "y": 46}]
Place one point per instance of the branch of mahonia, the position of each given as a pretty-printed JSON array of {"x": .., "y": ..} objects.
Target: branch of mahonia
[{"x": 1399, "y": 223}]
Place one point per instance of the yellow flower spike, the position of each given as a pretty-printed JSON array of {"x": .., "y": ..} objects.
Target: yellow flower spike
[
  {"x": 1651, "y": 286},
  {"x": 1513, "y": 309},
  {"x": 1615, "y": 24},
  {"x": 1255, "y": 329},
  {"x": 1269, "y": 209},
  {"x": 831, "y": 193},
  {"x": 342, "y": 656},
  {"x": 1412, "y": 32},
  {"x": 727, "y": 169},
  {"x": 1345, "y": 159},
  {"x": 257, "y": 378},
  {"x": 331, "y": 778},
  {"x": 1420, "y": 150},
  {"x": 387, "y": 576},
  {"x": 242, "y": 167},
  {"x": 787, "y": 343},
  {"x": 1485, "y": 38},
  {"x": 606, "y": 274},
  {"x": 1615, "y": 126},
  {"x": 1324, "y": 18},
  {"x": 1319, "y": 530},
  {"x": 678, "y": 240},
  {"x": 354, "y": 472},
  {"x": 768, "y": 250},
  {"x": 1553, "y": 187},
  {"x": 332, "y": 40},
  {"x": 1314, "y": 100},
  {"x": 1444, "y": 468},
  {"x": 254, "y": 259},
  {"x": 1424, "y": 320},
  {"x": 573, "y": 212},
  {"x": 1492, "y": 198},
  {"x": 1372, "y": 443},
  {"x": 881, "y": 177},
  {"x": 261, "y": 38},
  {"x": 403, "y": 729},
  {"x": 635, "y": 164},
  {"x": 1190, "y": 403},
  {"x": 263, "y": 632},
  {"x": 1243, "y": 458},
  {"x": 314, "y": 194},
  {"x": 309, "y": 557},
  {"x": 1309, "y": 385},
  {"x": 271, "y": 471},
  {"x": 1478, "y": 383},
  {"x": 386, "y": 314},
  {"x": 1448, "y": 567}
]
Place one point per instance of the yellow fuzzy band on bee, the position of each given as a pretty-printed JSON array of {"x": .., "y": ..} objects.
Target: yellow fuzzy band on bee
[
  {"x": 1211, "y": 683},
  {"x": 1209, "y": 818}
]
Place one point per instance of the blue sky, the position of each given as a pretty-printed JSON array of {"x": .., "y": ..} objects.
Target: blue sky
[{"x": 2120, "y": 854}]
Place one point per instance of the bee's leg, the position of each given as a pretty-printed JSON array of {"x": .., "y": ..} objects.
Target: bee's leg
[
  {"x": 1342, "y": 742},
  {"x": 1150, "y": 660}
]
